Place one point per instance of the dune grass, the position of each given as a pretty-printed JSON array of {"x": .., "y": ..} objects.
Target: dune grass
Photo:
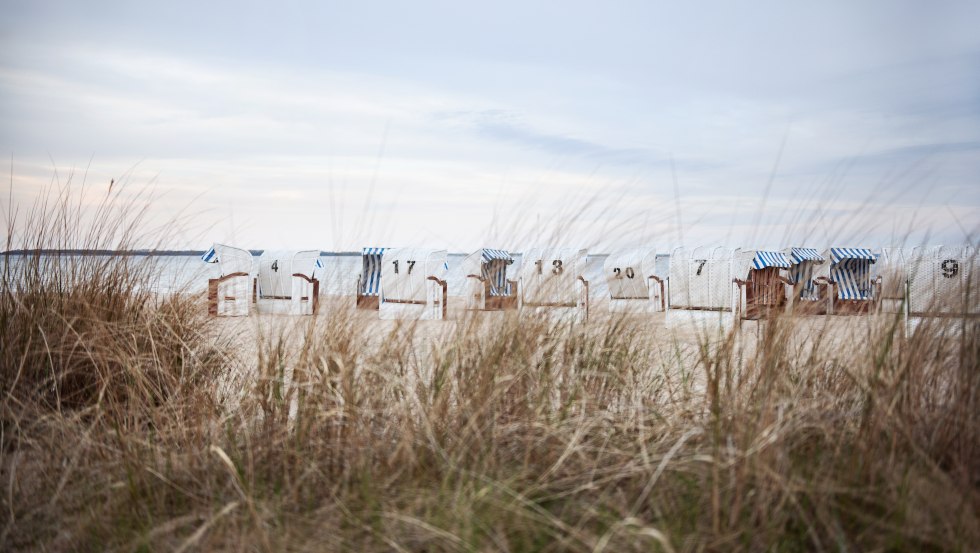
[{"x": 132, "y": 421}]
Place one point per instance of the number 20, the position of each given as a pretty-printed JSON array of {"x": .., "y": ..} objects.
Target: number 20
[{"x": 629, "y": 272}]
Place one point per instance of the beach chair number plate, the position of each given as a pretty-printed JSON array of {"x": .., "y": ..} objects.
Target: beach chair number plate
[
  {"x": 950, "y": 267},
  {"x": 410, "y": 263},
  {"x": 556, "y": 266},
  {"x": 628, "y": 272},
  {"x": 701, "y": 263}
]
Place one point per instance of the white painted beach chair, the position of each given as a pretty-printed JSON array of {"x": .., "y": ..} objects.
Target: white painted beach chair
[
  {"x": 851, "y": 285},
  {"x": 553, "y": 280},
  {"x": 228, "y": 295},
  {"x": 761, "y": 285},
  {"x": 305, "y": 293},
  {"x": 890, "y": 271},
  {"x": 273, "y": 280},
  {"x": 487, "y": 285},
  {"x": 701, "y": 288},
  {"x": 806, "y": 294},
  {"x": 369, "y": 280},
  {"x": 635, "y": 285},
  {"x": 943, "y": 282},
  {"x": 413, "y": 284},
  {"x": 287, "y": 276}
]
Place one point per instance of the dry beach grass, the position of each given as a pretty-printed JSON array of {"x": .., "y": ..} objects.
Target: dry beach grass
[{"x": 134, "y": 422}]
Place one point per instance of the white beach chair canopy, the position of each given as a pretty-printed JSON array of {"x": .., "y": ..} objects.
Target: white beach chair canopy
[
  {"x": 891, "y": 267},
  {"x": 306, "y": 262},
  {"x": 944, "y": 280},
  {"x": 230, "y": 259},
  {"x": 405, "y": 273},
  {"x": 701, "y": 278},
  {"x": 276, "y": 270},
  {"x": 550, "y": 276},
  {"x": 628, "y": 273}
]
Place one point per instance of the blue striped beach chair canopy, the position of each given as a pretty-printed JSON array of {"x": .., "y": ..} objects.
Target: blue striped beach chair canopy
[
  {"x": 748, "y": 260},
  {"x": 370, "y": 284},
  {"x": 802, "y": 272},
  {"x": 840, "y": 254},
  {"x": 799, "y": 255},
  {"x": 493, "y": 268},
  {"x": 764, "y": 259},
  {"x": 490, "y": 254},
  {"x": 850, "y": 269},
  {"x": 229, "y": 259}
]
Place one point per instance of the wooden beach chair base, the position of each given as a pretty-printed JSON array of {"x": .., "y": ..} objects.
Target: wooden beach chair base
[
  {"x": 501, "y": 303},
  {"x": 853, "y": 307},
  {"x": 764, "y": 293}
]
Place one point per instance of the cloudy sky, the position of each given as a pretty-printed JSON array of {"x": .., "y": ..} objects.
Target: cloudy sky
[{"x": 338, "y": 125}]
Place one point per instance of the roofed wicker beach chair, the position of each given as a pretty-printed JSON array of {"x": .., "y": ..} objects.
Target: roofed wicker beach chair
[
  {"x": 635, "y": 285},
  {"x": 700, "y": 289},
  {"x": 305, "y": 293},
  {"x": 890, "y": 272},
  {"x": 553, "y": 280},
  {"x": 228, "y": 295},
  {"x": 369, "y": 280},
  {"x": 762, "y": 287},
  {"x": 852, "y": 288},
  {"x": 806, "y": 294},
  {"x": 287, "y": 276},
  {"x": 413, "y": 284},
  {"x": 487, "y": 285},
  {"x": 944, "y": 282}
]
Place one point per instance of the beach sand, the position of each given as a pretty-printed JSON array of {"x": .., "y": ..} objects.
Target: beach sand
[{"x": 680, "y": 348}]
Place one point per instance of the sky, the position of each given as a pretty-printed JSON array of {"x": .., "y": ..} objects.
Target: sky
[{"x": 458, "y": 125}]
